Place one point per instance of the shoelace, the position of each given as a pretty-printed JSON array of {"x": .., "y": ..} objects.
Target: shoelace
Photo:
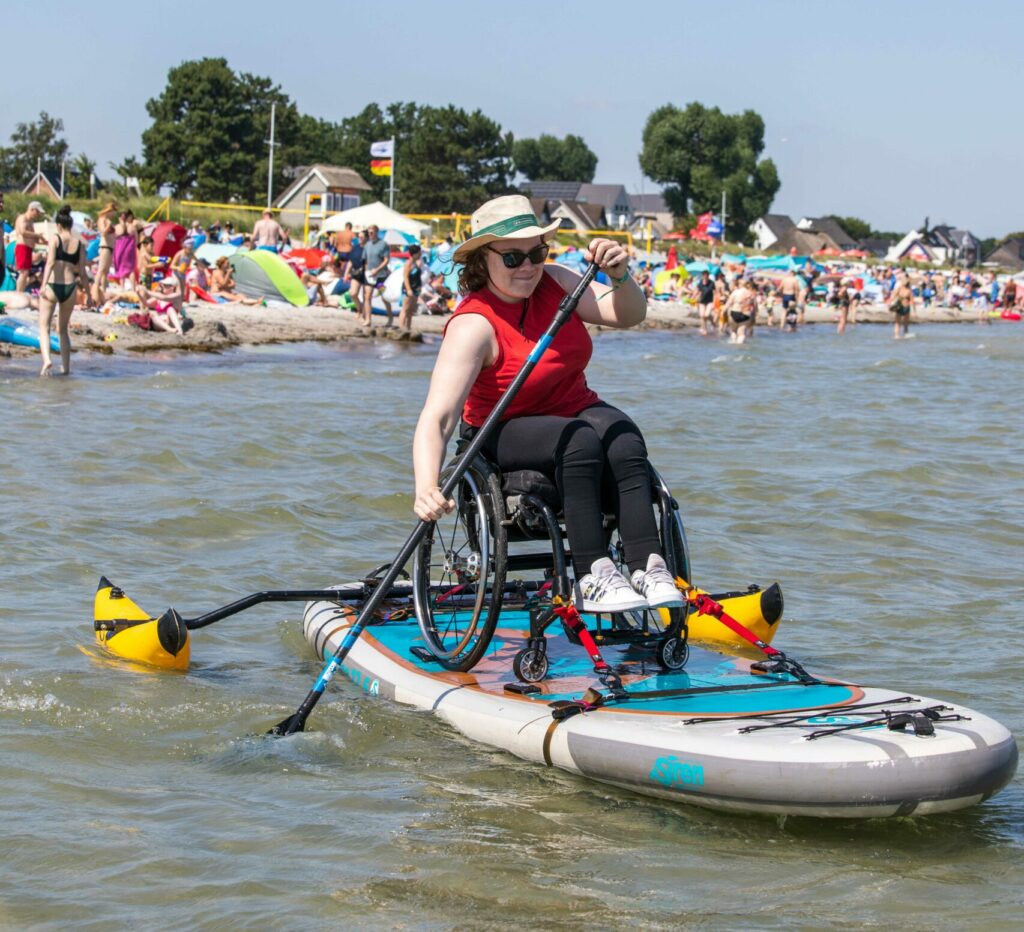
[{"x": 654, "y": 577}]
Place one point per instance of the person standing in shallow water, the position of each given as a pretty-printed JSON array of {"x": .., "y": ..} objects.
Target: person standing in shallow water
[
  {"x": 901, "y": 303},
  {"x": 556, "y": 424},
  {"x": 412, "y": 283},
  {"x": 65, "y": 267}
]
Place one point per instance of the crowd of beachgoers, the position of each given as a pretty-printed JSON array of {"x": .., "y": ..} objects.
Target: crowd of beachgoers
[
  {"x": 117, "y": 265},
  {"x": 732, "y": 296}
]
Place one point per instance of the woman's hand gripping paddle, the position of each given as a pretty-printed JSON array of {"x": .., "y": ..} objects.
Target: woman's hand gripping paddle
[
  {"x": 777, "y": 661},
  {"x": 297, "y": 722}
]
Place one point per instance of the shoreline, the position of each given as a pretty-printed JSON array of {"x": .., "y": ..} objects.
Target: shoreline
[{"x": 225, "y": 326}]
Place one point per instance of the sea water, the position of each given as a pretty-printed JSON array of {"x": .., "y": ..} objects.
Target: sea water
[{"x": 881, "y": 482}]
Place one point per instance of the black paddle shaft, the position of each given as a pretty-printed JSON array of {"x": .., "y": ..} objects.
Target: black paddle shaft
[{"x": 566, "y": 306}]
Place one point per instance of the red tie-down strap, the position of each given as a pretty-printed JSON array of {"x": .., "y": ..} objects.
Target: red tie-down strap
[
  {"x": 705, "y": 605},
  {"x": 571, "y": 619}
]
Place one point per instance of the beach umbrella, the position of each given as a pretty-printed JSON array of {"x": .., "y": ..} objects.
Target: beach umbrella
[
  {"x": 399, "y": 238},
  {"x": 168, "y": 238},
  {"x": 78, "y": 221},
  {"x": 311, "y": 258}
]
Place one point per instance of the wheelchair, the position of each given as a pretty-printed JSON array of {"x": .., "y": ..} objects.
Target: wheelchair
[{"x": 486, "y": 554}]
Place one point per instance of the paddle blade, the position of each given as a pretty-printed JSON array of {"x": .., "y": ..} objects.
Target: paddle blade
[
  {"x": 297, "y": 722},
  {"x": 288, "y": 727}
]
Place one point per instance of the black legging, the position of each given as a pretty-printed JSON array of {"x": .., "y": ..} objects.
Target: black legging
[{"x": 599, "y": 450}]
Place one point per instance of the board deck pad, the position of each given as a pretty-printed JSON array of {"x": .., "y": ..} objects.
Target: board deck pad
[{"x": 571, "y": 673}]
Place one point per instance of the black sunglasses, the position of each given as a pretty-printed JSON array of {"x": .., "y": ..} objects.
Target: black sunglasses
[{"x": 515, "y": 257}]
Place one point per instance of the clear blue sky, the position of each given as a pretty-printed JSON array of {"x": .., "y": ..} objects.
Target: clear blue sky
[{"x": 887, "y": 111}]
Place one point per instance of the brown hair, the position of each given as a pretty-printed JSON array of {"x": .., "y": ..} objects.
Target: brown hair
[
  {"x": 222, "y": 262},
  {"x": 473, "y": 275}
]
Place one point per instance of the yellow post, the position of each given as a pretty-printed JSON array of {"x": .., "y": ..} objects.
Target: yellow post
[
  {"x": 166, "y": 202},
  {"x": 648, "y": 236}
]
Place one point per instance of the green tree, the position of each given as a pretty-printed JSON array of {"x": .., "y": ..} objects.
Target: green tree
[
  {"x": 853, "y": 226},
  {"x": 80, "y": 169},
  {"x": 700, "y": 152},
  {"x": 35, "y": 144},
  {"x": 210, "y": 131},
  {"x": 548, "y": 158},
  {"x": 446, "y": 159}
]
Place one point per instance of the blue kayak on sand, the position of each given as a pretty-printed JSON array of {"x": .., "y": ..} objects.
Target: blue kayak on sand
[{"x": 22, "y": 333}]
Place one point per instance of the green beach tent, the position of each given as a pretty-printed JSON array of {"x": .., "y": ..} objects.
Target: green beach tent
[{"x": 266, "y": 276}]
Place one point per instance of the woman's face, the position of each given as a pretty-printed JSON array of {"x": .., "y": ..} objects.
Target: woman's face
[{"x": 513, "y": 284}]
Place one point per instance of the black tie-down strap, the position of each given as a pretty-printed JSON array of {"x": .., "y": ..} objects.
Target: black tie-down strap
[
  {"x": 562, "y": 709},
  {"x": 921, "y": 720}
]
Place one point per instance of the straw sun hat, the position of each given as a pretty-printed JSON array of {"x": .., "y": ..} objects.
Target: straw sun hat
[{"x": 508, "y": 217}]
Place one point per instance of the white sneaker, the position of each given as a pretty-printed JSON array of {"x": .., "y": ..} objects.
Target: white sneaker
[
  {"x": 657, "y": 585},
  {"x": 605, "y": 590}
]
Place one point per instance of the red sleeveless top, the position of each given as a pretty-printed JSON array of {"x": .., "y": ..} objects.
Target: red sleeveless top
[{"x": 557, "y": 384}]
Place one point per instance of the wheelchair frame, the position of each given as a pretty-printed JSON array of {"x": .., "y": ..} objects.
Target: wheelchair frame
[{"x": 526, "y": 516}]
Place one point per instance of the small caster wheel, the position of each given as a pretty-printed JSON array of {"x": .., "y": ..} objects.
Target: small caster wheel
[
  {"x": 530, "y": 665},
  {"x": 672, "y": 653}
]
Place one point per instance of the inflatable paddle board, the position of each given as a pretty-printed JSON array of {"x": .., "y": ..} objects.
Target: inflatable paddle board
[
  {"x": 22, "y": 333},
  {"x": 715, "y": 734}
]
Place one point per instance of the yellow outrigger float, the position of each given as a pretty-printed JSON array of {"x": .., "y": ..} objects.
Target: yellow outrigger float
[{"x": 128, "y": 632}]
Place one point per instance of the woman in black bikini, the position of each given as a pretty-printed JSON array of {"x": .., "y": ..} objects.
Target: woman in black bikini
[{"x": 65, "y": 268}]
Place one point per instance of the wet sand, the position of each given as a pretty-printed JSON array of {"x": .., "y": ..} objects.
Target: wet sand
[{"x": 220, "y": 327}]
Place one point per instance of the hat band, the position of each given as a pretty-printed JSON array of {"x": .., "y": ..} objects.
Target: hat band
[{"x": 504, "y": 227}]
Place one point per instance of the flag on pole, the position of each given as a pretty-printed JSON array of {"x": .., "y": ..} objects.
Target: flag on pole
[
  {"x": 383, "y": 150},
  {"x": 380, "y": 166}
]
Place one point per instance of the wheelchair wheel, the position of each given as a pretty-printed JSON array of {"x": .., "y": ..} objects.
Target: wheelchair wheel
[
  {"x": 530, "y": 665},
  {"x": 672, "y": 653},
  {"x": 459, "y": 573}
]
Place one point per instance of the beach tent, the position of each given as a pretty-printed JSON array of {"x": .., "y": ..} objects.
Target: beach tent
[
  {"x": 266, "y": 276},
  {"x": 441, "y": 264},
  {"x": 211, "y": 252},
  {"x": 663, "y": 279},
  {"x": 379, "y": 215},
  {"x": 168, "y": 238}
]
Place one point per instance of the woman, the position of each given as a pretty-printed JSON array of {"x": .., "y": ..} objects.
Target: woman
[
  {"x": 126, "y": 250},
  {"x": 163, "y": 306},
  {"x": 741, "y": 311},
  {"x": 901, "y": 303},
  {"x": 412, "y": 284},
  {"x": 556, "y": 424},
  {"x": 843, "y": 300},
  {"x": 222, "y": 282},
  {"x": 105, "y": 227},
  {"x": 65, "y": 267}
]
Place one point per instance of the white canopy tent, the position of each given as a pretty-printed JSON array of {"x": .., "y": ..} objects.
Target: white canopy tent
[{"x": 376, "y": 214}]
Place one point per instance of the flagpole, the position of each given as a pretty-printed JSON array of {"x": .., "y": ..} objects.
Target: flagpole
[{"x": 391, "y": 187}]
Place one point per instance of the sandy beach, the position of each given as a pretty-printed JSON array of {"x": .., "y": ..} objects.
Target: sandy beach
[{"x": 220, "y": 327}]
